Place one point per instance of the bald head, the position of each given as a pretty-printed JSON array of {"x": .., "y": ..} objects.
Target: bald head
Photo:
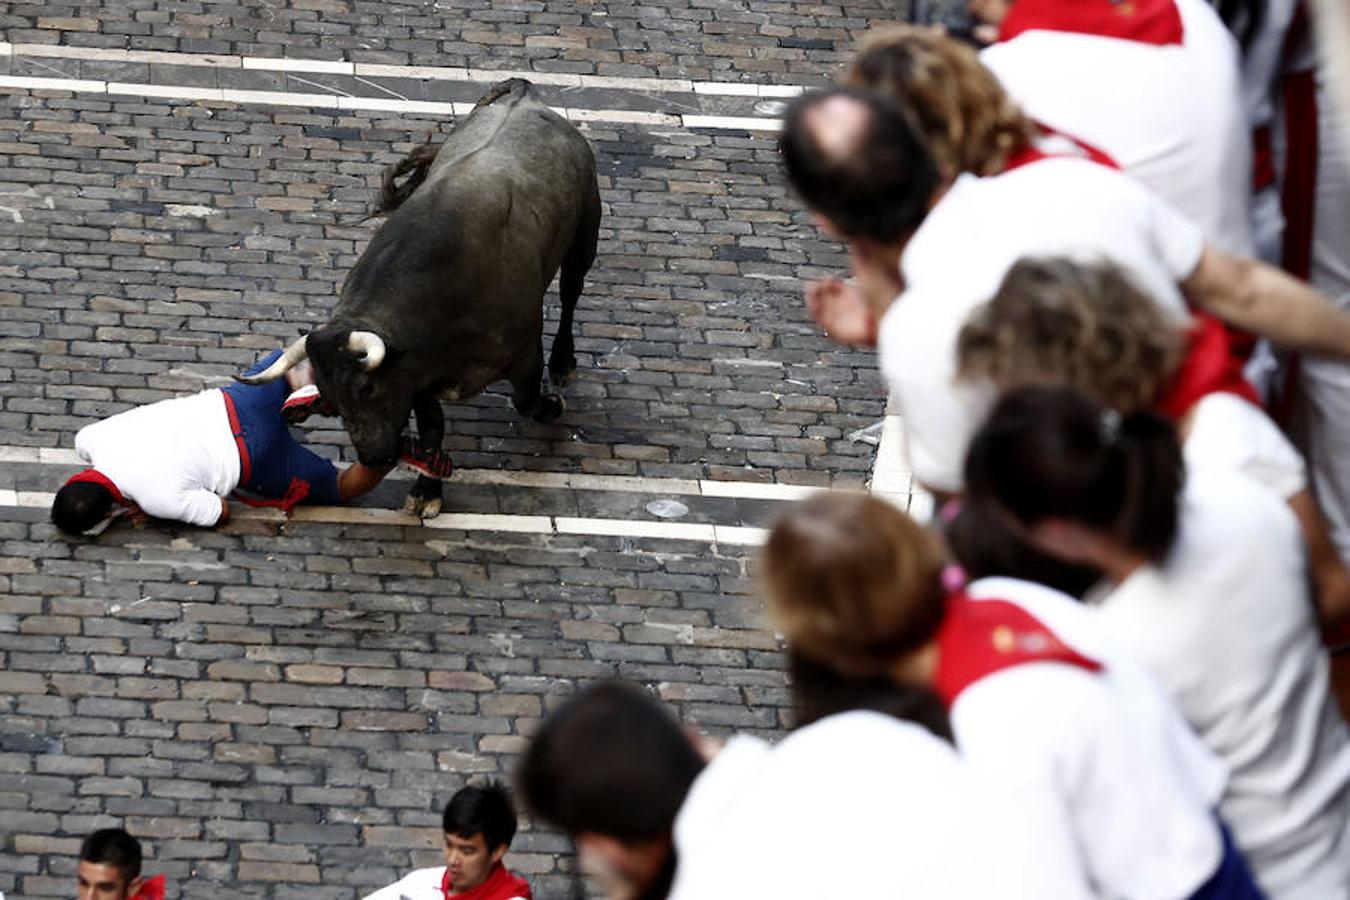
[{"x": 855, "y": 159}]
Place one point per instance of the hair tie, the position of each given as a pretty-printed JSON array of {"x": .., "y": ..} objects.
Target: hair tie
[{"x": 1109, "y": 424}]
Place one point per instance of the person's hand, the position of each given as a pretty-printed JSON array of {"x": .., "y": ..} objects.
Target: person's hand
[
  {"x": 137, "y": 515},
  {"x": 842, "y": 310},
  {"x": 224, "y": 512}
]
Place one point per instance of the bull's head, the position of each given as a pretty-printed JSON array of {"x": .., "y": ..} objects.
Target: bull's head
[{"x": 359, "y": 374}]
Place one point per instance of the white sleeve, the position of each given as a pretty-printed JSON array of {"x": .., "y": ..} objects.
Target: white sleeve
[
  {"x": 1228, "y": 433},
  {"x": 1177, "y": 239},
  {"x": 82, "y": 443},
  {"x": 196, "y": 506}
]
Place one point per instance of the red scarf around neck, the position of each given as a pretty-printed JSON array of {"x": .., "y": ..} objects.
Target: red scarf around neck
[
  {"x": 500, "y": 885},
  {"x": 1156, "y": 22},
  {"x": 1208, "y": 366},
  {"x": 94, "y": 476},
  {"x": 979, "y": 638}
]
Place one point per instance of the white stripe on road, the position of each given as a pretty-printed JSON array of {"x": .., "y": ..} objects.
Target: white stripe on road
[
  {"x": 738, "y": 535},
  {"x": 374, "y": 70},
  {"x": 626, "y": 484},
  {"x": 373, "y": 104}
]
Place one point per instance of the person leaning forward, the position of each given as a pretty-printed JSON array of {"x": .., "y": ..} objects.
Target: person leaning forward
[{"x": 181, "y": 458}]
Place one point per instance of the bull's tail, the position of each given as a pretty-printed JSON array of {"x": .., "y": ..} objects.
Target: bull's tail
[{"x": 412, "y": 169}]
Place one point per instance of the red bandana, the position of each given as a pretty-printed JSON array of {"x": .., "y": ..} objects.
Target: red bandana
[
  {"x": 1209, "y": 367},
  {"x": 152, "y": 889},
  {"x": 500, "y": 885},
  {"x": 1146, "y": 21},
  {"x": 981, "y": 637},
  {"x": 96, "y": 477}
]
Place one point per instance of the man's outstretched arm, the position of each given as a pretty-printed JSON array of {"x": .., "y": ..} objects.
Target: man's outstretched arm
[{"x": 358, "y": 479}]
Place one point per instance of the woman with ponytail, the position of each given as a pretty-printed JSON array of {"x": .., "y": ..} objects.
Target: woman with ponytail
[
  {"x": 1205, "y": 583},
  {"x": 1118, "y": 793}
]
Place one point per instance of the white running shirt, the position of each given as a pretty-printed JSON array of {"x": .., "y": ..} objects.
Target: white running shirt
[{"x": 175, "y": 459}]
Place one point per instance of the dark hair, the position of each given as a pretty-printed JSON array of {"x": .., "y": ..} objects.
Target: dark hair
[
  {"x": 113, "y": 847},
  {"x": 986, "y": 545},
  {"x": 80, "y": 506},
  {"x": 1049, "y": 452},
  {"x": 481, "y": 810},
  {"x": 878, "y": 186},
  {"x": 819, "y": 691},
  {"x": 611, "y": 761}
]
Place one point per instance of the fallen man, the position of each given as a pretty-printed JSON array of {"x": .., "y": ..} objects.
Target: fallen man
[{"x": 180, "y": 459}]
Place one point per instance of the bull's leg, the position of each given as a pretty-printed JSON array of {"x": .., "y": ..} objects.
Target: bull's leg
[
  {"x": 424, "y": 500},
  {"x": 527, "y": 389},
  {"x": 562, "y": 359}
]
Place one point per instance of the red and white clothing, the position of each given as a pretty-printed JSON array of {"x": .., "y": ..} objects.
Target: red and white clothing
[
  {"x": 890, "y": 806},
  {"x": 434, "y": 884},
  {"x": 1227, "y": 626},
  {"x": 1057, "y": 206},
  {"x": 175, "y": 459},
  {"x": 1087, "y": 743},
  {"x": 1153, "y": 83}
]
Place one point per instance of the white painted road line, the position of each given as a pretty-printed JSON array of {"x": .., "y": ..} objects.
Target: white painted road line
[
  {"x": 380, "y": 70},
  {"x": 626, "y": 484},
  {"x": 569, "y": 525},
  {"x": 373, "y": 104}
]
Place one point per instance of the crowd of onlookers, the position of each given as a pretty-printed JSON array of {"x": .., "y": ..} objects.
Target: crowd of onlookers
[{"x": 1104, "y": 263}]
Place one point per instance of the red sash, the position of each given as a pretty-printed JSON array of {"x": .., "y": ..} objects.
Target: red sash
[
  {"x": 981, "y": 637},
  {"x": 1209, "y": 367},
  {"x": 94, "y": 476},
  {"x": 151, "y": 889},
  {"x": 1156, "y": 22},
  {"x": 1072, "y": 148},
  {"x": 500, "y": 885}
]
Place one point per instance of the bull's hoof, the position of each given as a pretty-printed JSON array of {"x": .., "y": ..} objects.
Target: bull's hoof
[
  {"x": 422, "y": 507},
  {"x": 551, "y": 407}
]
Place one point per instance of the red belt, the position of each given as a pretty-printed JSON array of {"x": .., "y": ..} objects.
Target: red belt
[{"x": 245, "y": 467}]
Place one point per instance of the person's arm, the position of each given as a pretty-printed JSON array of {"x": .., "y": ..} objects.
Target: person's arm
[
  {"x": 1330, "y": 577},
  {"x": 358, "y": 479},
  {"x": 1262, "y": 299}
]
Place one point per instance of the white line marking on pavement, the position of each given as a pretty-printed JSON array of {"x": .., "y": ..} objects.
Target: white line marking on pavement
[
  {"x": 891, "y": 479},
  {"x": 627, "y": 484},
  {"x": 347, "y": 515},
  {"x": 376, "y": 104},
  {"x": 380, "y": 70}
]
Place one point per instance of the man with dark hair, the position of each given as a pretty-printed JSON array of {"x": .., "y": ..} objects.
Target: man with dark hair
[
  {"x": 479, "y": 823},
  {"x": 110, "y": 869},
  {"x": 179, "y": 459},
  {"x": 612, "y": 768}
]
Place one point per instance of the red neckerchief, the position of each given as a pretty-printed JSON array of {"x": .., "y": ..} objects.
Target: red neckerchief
[
  {"x": 1155, "y": 22},
  {"x": 1208, "y": 367},
  {"x": 1052, "y": 144},
  {"x": 94, "y": 476},
  {"x": 981, "y": 637},
  {"x": 500, "y": 885},
  {"x": 152, "y": 889}
]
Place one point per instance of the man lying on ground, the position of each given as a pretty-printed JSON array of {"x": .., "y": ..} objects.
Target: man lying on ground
[{"x": 180, "y": 459}]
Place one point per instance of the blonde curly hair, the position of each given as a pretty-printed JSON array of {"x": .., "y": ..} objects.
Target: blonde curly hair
[
  {"x": 971, "y": 123},
  {"x": 1056, "y": 322}
]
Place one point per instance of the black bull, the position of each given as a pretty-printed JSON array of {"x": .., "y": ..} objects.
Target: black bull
[{"x": 448, "y": 296}]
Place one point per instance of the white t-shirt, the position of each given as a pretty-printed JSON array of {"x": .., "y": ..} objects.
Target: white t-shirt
[
  {"x": 175, "y": 459},
  {"x": 1226, "y": 624},
  {"x": 1171, "y": 116},
  {"x": 1229, "y": 434},
  {"x": 1102, "y": 760},
  {"x": 959, "y": 255},
  {"x": 420, "y": 884},
  {"x": 880, "y": 806}
]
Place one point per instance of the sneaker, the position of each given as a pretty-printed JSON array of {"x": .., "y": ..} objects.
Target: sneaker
[{"x": 301, "y": 404}]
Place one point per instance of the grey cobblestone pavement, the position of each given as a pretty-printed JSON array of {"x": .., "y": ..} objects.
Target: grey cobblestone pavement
[{"x": 281, "y": 708}]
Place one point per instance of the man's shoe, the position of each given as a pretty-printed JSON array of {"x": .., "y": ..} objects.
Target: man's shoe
[
  {"x": 301, "y": 404},
  {"x": 429, "y": 461}
]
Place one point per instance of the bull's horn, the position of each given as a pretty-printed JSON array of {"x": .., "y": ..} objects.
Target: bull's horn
[
  {"x": 370, "y": 346},
  {"x": 289, "y": 359}
]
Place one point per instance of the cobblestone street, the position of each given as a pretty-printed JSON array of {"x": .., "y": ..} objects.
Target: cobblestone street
[{"x": 281, "y": 708}]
